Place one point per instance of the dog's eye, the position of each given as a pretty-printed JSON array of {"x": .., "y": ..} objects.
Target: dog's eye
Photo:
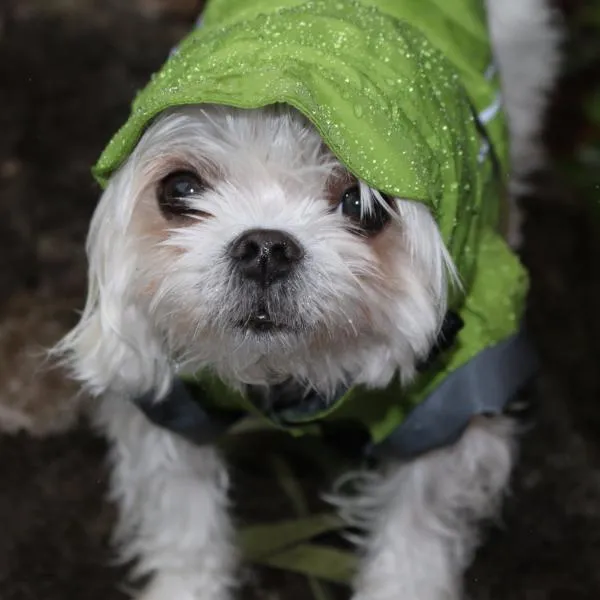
[
  {"x": 370, "y": 219},
  {"x": 175, "y": 189}
]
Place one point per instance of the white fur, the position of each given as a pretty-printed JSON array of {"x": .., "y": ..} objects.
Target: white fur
[
  {"x": 423, "y": 517},
  {"x": 161, "y": 301},
  {"x": 173, "y": 507}
]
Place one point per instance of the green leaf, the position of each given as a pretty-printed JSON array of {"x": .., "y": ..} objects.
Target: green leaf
[
  {"x": 261, "y": 541},
  {"x": 312, "y": 560}
]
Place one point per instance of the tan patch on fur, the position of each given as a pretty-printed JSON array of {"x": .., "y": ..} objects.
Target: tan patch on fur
[
  {"x": 337, "y": 184},
  {"x": 150, "y": 226},
  {"x": 321, "y": 340},
  {"x": 388, "y": 247},
  {"x": 147, "y": 222},
  {"x": 390, "y": 254},
  {"x": 147, "y": 211}
]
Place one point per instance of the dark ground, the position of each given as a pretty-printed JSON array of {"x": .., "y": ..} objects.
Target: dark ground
[{"x": 67, "y": 74}]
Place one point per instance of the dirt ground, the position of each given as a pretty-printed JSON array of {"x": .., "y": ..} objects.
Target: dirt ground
[{"x": 69, "y": 69}]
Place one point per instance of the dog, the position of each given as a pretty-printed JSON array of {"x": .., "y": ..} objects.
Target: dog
[{"x": 240, "y": 240}]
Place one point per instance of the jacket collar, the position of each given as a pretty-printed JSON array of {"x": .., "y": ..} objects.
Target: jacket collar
[{"x": 203, "y": 407}]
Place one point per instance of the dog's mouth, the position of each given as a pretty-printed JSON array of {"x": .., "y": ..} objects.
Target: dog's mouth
[{"x": 260, "y": 321}]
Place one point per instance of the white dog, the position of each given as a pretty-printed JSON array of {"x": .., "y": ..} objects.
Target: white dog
[{"x": 234, "y": 239}]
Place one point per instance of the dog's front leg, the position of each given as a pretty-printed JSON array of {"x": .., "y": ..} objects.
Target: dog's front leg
[
  {"x": 172, "y": 498},
  {"x": 425, "y": 516}
]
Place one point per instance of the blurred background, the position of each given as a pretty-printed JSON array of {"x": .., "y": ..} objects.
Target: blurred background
[{"x": 68, "y": 70}]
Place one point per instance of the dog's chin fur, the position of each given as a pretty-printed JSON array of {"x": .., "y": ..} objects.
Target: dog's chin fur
[
  {"x": 162, "y": 295},
  {"x": 163, "y": 300}
]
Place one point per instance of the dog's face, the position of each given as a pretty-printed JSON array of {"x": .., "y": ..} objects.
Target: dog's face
[{"x": 234, "y": 239}]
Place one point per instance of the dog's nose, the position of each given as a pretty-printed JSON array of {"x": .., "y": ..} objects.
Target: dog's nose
[{"x": 265, "y": 255}]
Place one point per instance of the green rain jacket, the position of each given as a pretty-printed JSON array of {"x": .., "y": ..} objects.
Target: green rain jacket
[{"x": 401, "y": 91}]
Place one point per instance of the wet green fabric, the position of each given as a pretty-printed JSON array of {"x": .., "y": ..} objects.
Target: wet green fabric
[
  {"x": 391, "y": 105},
  {"x": 393, "y": 86}
]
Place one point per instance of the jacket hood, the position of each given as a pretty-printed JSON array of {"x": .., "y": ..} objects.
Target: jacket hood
[{"x": 387, "y": 101}]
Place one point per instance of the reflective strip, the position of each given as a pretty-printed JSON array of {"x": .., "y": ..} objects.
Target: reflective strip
[
  {"x": 484, "y": 117},
  {"x": 485, "y": 385},
  {"x": 488, "y": 113},
  {"x": 491, "y": 71},
  {"x": 483, "y": 151}
]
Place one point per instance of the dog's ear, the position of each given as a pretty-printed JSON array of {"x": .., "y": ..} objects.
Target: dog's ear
[{"x": 112, "y": 348}]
